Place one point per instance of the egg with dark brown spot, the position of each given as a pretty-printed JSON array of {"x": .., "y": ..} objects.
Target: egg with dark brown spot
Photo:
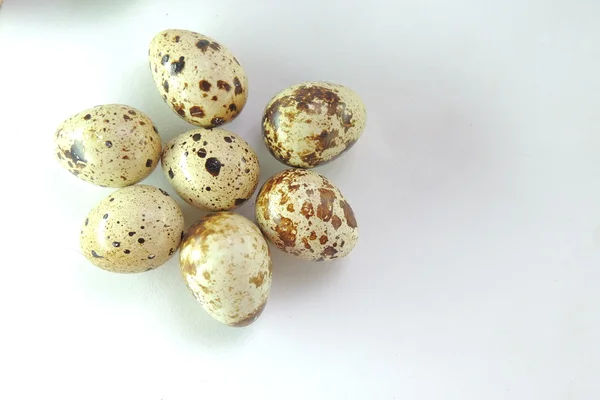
[
  {"x": 304, "y": 214},
  {"x": 211, "y": 169},
  {"x": 226, "y": 263},
  {"x": 199, "y": 78},
  {"x": 134, "y": 229},
  {"x": 110, "y": 145},
  {"x": 313, "y": 123}
]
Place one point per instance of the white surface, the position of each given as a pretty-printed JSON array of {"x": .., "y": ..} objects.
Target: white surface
[{"x": 475, "y": 186}]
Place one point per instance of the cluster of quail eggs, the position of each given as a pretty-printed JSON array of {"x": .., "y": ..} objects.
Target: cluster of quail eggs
[{"x": 224, "y": 257}]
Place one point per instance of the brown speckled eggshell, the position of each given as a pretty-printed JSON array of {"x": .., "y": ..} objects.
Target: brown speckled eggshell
[
  {"x": 211, "y": 169},
  {"x": 312, "y": 123},
  {"x": 226, "y": 263},
  {"x": 110, "y": 145},
  {"x": 304, "y": 214},
  {"x": 135, "y": 229},
  {"x": 199, "y": 78}
]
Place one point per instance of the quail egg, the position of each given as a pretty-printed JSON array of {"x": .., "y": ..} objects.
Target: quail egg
[
  {"x": 312, "y": 123},
  {"x": 304, "y": 214},
  {"x": 226, "y": 263},
  {"x": 135, "y": 229},
  {"x": 111, "y": 145},
  {"x": 212, "y": 169},
  {"x": 199, "y": 78}
]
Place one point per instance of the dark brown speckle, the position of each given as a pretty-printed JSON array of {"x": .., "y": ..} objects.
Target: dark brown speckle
[
  {"x": 348, "y": 214},
  {"x": 197, "y": 111},
  {"x": 286, "y": 230},
  {"x": 223, "y": 85},
  {"x": 336, "y": 222},
  {"x": 238, "y": 85},
  {"x": 213, "y": 166},
  {"x": 202, "y": 45},
  {"x": 325, "y": 208},
  {"x": 217, "y": 121},
  {"x": 205, "y": 85}
]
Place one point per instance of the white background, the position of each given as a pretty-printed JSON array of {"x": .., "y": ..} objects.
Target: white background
[{"x": 476, "y": 188}]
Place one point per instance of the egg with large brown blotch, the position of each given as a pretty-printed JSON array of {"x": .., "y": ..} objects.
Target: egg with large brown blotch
[
  {"x": 313, "y": 123},
  {"x": 135, "y": 229},
  {"x": 212, "y": 169},
  {"x": 110, "y": 145},
  {"x": 199, "y": 78},
  {"x": 226, "y": 263},
  {"x": 304, "y": 214}
]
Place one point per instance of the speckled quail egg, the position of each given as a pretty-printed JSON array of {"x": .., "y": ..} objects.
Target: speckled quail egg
[
  {"x": 135, "y": 229},
  {"x": 226, "y": 263},
  {"x": 199, "y": 78},
  {"x": 212, "y": 169},
  {"x": 111, "y": 145},
  {"x": 304, "y": 214},
  {"x": 312, "y": 123}
]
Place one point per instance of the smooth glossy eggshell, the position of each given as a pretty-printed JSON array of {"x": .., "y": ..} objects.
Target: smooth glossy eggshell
[
  {"x": 313, "y": 123},
  {"x": 111, "y": 145},
  {"x": 304, "y": 214},
  {"x": 199, "y": 78},
  {"x": 226, "y": 263},
  {"x": 212, "y": 169},
  {"x": 135, "y": 229}
]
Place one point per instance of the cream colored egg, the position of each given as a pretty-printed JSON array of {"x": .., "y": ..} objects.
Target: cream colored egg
[
  {"x": 212, "y": 169},
  {"x": 199, "y": 78},
  {"x": 111, "y": 145},
  {"x": 226, "y": 263},
  {"x": 135, "y": 229},
  {"x": 312, "y": 123},
  {"x": 304, "y": 214}
]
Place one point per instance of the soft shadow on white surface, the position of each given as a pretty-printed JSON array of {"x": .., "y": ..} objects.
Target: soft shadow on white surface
[
  {"x": 160, "y": 295},
  {"x": 74, "y": 11}
]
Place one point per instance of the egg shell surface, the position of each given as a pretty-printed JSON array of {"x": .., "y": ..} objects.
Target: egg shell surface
[
  {"x": 134, "y": 229},
  {"x": 211, "y": 169},
  {"x": 110, "y": 145},
  {"x": 313, "y": 123},
  {"x": 226, "y": 263},
  {"x": 304, "y": 214},
  {"x": 199, "y": 78}
]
